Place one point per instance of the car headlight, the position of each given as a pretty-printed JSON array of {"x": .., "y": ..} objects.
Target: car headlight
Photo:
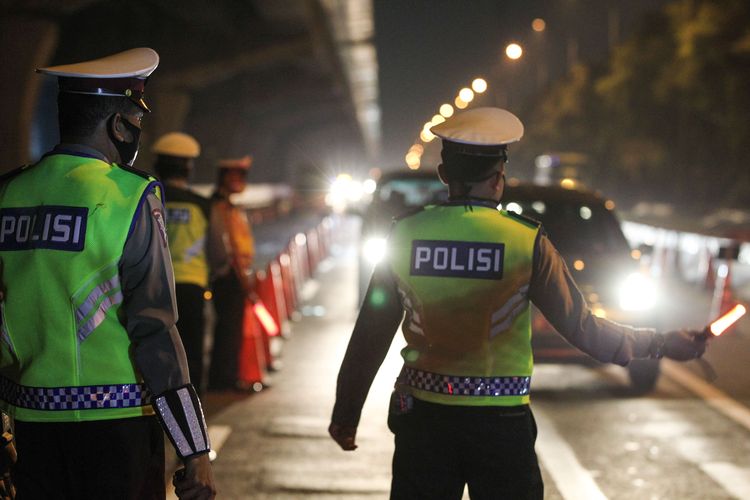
[
  {"x": 637, "y": 293},
  {"x": 374, "y": 249}
]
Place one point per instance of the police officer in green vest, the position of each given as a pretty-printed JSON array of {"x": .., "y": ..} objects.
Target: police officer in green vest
[
  {"x": 459, "y": 279},
  {"x": 188, "y": 214},
  {"x": 90, "y": 360}
]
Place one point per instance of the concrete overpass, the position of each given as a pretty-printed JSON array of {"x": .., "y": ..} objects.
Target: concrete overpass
[{"x": 292, "y": 83}]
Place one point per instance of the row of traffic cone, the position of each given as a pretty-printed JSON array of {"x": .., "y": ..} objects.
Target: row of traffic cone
[{"x": 267, "y": 318}]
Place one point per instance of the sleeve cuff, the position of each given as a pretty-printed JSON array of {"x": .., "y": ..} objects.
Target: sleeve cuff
[{"x": 181, "y": 416}]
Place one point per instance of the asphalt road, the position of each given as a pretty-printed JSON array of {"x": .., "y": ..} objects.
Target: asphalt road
[{"x": 687, "y": 439}]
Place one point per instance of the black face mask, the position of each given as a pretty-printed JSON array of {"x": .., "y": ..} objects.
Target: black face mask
[{"x": 128, "y": 150}]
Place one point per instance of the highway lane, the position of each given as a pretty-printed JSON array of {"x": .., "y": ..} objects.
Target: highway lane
[{"x": 596, "y": 439}]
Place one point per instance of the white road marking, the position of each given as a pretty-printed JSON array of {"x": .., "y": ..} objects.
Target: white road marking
[
  {"x": 735, "y": 480},
  {"x": 571, "y": 479},
  {"x": 713, "y": 396},
  {"x": 218, "y": 435}
]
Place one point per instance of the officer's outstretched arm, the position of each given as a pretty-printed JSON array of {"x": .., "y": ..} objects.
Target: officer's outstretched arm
[
  {"x": 373, "y": 333},
  {"x": 557, "y": 296}
]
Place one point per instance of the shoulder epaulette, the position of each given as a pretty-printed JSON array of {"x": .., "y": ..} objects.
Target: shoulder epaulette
[
  {"x": 524, "y": 219},
  {"x": 12, "y": 173},
  {"x": 408, "y": 213},
  {"x": 138, "y": 172}
]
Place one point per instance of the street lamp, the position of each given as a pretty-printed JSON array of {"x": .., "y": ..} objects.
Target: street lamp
[
  {"x": 466, "y": 95},
  {"x": 479, "y": 85},
  {"x": 513, "y": 51},
  {"x": 446, "y": 110}
]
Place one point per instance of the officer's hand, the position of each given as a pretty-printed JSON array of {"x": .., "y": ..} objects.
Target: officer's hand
[
  {"x": 343, "y": 435},
  {"x": 197, "y": 481},
  {"x": 684, "y": 345}
]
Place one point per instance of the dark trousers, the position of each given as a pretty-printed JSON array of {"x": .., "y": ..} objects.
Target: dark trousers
[
  {"x": 441, "y": 448},
  {"x": 229, "y": 303},
  {"x": 112, "y": 459},
  {"x": 191, "y": 325}
]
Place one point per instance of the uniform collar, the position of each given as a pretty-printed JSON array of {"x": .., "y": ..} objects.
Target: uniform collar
[
  {"x": 78, "y": 150},
  {"x": 471, "y": 201}
]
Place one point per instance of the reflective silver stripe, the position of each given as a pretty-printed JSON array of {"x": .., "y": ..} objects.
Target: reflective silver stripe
[
  {"x": 509, "y": 311},
  {"x": 195, "y": 249},
  {"x": 173, "y": 428},
  {"x": 416, "y": 329},
  {"x": 85, "y": 330},
  {"x": 404, "y": 298},
  {"x": 509, "y": 320},
  {"x": 4, "y": 331},
  {"x": 196, "y": 426},
  {"x": 89, "y": 304},
  {"x": 519, "y": 295}
]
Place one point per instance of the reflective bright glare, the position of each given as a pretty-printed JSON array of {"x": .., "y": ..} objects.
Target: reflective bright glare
[
  {"x": 479, "y": 85},
  {"x": 513, "y": 51},
  {"x": 417, "y": 148},
  {"x": 579, "y": 265},
  {"x": 539, "y": 207},
  {"x": 636, "y": 254},
  {"x": 585, "y": 213},
  {"x": 568, "y": 183},
  {"x": 437, "y": 120},
  {"x": 599, "y": 312},
  {"x": 637, "y": 293},
  {"x": 369, "y": 186},
  {"x": 514, "y": 207},
  {"x": 446, "y": 110},
  {"x": 466, "y": 95},
  {"x": 460, "y": 103},
  {"x": 342, "y": 189},
  {"x": 538, "y": 25},
  {"x": 374, "y": 249},
  {"x": 609, "y": 205}
]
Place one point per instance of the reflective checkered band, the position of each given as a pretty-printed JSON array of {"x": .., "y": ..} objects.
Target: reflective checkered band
[
  {"x": 92, "y": 397},
  {"x": 457, "y": 385}
]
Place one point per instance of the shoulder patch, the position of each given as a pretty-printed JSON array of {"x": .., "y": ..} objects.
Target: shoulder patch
[
  {"x": 12, "y": 173},
  {"x": 524, "y": 219}
]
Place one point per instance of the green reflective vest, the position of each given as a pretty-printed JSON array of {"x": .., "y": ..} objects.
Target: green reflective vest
[
  {"x": 65, "y": 355},
  {"x": 187, "y": 224},
  {"x": 463, "y": 275}
]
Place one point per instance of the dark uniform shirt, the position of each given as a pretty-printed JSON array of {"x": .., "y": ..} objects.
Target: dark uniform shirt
[{"x": 552, "y": 290}]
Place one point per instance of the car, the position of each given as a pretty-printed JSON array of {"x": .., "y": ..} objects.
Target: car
[
  {"x": 583, "y": 226},
  {"x": 397, "y": 192}
]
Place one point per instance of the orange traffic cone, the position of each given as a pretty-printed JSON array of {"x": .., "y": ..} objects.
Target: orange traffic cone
[{"x": 252, "y": 360}]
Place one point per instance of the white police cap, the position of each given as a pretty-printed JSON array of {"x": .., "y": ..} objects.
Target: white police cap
[
  {"x": 480, "y": 131},
  {"x": 122, "y": 74},
  {"x": 177, "y": 144}
]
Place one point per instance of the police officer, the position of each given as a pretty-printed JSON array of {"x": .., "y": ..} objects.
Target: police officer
[
  {"x": 231, "y": 250},
  {"x": 89, "y": 350},
  {"x": 462, "y": 276},
  {"x": 188, "y": 214}
]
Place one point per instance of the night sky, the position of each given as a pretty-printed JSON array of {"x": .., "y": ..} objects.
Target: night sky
[{"x": 429, "y": 49}]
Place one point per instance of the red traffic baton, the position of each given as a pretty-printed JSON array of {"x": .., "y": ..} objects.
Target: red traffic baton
[{"x": 723, "y": 322}]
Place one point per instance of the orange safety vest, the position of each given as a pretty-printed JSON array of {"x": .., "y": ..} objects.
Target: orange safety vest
[{"x": 241, "y": 241}]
